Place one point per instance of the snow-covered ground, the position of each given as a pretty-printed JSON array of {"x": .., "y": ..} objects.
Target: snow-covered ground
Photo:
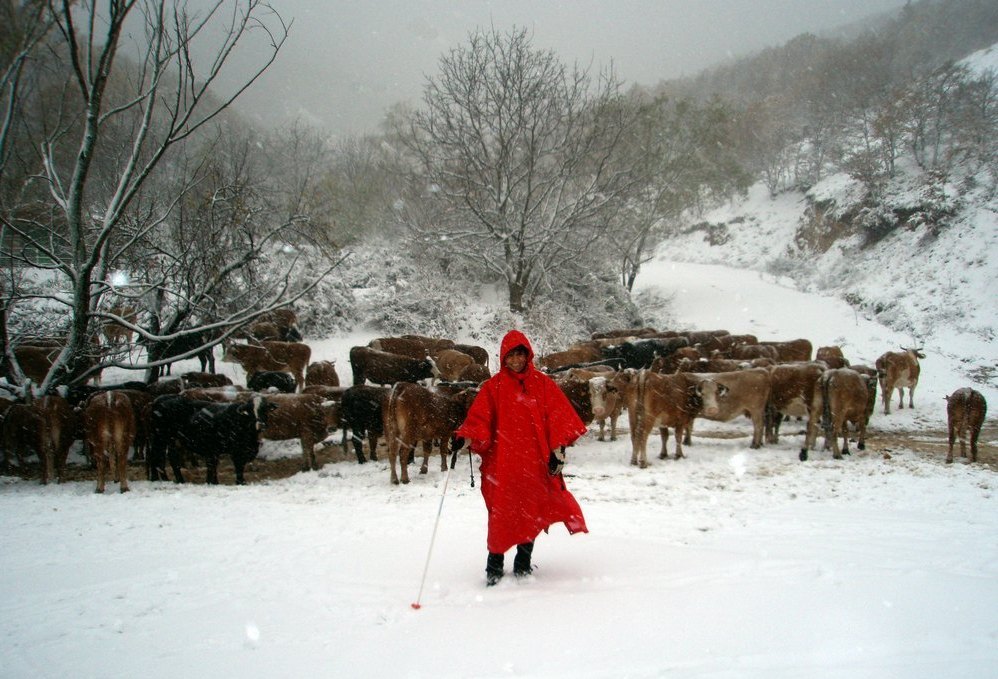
[{"x": 730, "y": 563}]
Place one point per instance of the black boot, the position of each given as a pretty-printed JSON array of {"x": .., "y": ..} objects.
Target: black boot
[
  {"x": 493, "y": 569},
  {"x": 521, "y": 563}
]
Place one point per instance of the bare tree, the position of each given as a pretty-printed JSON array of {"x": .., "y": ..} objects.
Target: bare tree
[
  {"x": 512, "y": 159},
  {"x": 127, "y": 110}
]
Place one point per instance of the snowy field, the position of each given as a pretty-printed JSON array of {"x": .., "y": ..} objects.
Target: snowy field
[{"x": 730, "y": 563}]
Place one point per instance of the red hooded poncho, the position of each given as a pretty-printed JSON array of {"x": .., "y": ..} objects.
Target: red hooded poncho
[{"x": 515, "y": 422}]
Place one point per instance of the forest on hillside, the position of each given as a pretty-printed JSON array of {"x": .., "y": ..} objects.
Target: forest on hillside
[{"x": 131, "y": 193}]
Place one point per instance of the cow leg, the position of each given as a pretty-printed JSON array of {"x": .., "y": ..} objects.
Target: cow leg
[
  {"x": 240, "y": 465},
  {"x": 613, "y": 427},
  {"x": 862, "y": 432},
  {"x": 952, "y": 440},
  {"x": 101, "y": 467},
  {"x": 444, "y": 450},
  {"x": 427, "y": 449},
  {"x": 900, "y": 398},
  {"x": 174, "y": 455},
  {"x": 211, "y": 469},
  {"x": 602, "y": 430},
  {"x": 663, "y": 432},
  {"x": 373, "y": 447},
  {"x": 121, "y": 455},
  {"x": 757, "y": 429},
  {"x": 308, "y": 454},
  {"x": 679, "y": 440},
  {"x": 637, "y": 440},
  {"x": 358, "y": 443},
  {"x": 838, "y": 430},
  {"x": 911, "y": 396},
  {"x": 975, "y": 433}
]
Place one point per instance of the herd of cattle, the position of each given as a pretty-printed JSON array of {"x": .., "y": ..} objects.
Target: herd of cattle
[{"x": 421, "y": 388}]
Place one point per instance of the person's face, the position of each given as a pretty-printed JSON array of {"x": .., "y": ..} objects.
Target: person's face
[{"x": 516, "y": 360}]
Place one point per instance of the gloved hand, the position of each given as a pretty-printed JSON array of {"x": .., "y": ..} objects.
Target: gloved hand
[{"x": 556, "y": 461}]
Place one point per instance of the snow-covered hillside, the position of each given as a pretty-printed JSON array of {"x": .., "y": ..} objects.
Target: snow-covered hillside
[{"x": 936, "y": 290}]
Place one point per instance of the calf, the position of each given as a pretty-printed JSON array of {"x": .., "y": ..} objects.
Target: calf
[
  {"x": 840, "y": 399},
  {"x": 382, "y": 367},
  {"x": 639, "y": 354},
  {"x": 306, "y": 417},
  {"x": 229, "y": 428},
  {"x": 476, "y": 372},
  {"x": 480, "y": 354},
  {"x": 657, "y": 400},
  {"x": 965, "y": 411},
  {"x": 897, "y": 370},
  {"x": 576, "y": 390},
  {"x": 725, "y": 396},
  {"x": 418, "y": 413},
  {"x": 168, "y": 414},
  {"x": 791, "y": 393},
  {"x": 362, "y": 410},
  {"x": 322, "y": 373},
  {"x": 273, "y": 381},
  {"x": 109, "y": 429},
  {"x": 607, "y": 401}
]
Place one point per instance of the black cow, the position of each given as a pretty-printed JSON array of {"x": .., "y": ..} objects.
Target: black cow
[
  {"x": 272, "y": 379},
  {"x": 639, "y": 354},
  {"x": 361, "y": 410},
  {"x": 230, "y": 428},
  {"x": 167, "y": 349},
  {"x": 168, "y": 414}
]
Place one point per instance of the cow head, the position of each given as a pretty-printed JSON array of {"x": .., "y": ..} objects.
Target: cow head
[
  {"x": 710, "y": 392},
  {"x": 261, "y": 409}
]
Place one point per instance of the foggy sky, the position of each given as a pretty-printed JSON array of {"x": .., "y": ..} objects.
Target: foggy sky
[{"x": 347, "y": 61}]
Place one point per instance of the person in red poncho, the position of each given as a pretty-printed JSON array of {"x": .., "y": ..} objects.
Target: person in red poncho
[{"x": 519, "y": 424}]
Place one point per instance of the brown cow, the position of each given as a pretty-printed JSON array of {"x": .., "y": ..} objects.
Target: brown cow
[
  {"x": 832, "y": 356},
  {"x": 116, "y": 333},
  {"x": 58, "y": 432},
  {"x": 965, "y": 411},
  {"x": 897, "y": 370},
  {"x": 109, "y": 426},
  {"x": 382, "y": 367},
  {"x": 579, "y": 353},
  {"x": 451, "y": 363},
  {"x": 840, "y": 399},
  {"x": 871, "y": 388},
  {"x": 721, "y": 365},
  {"x": 792, "y": 350},
  {"x": 418, "y": 413},
  {"x": 413, "y": 346},
  {"x": 289, "y": 357},
  {"x": 657, "y": 400},
  {"x": 286, "y": 321},
  {"x": 670, "y": 364},
  {"x": 322, "y": 373},
  {"x": 745, "y": 352},
  {"x": 576, "y": 390},
  {"x": 480, "y": 354},
  {"x": 476, "y": 372},
  {"x": 791, "y": 393},
  {"x": 306, "y": 417},
  {"x": 260, "y": 331},
  {"x": 727, "y": 395}
]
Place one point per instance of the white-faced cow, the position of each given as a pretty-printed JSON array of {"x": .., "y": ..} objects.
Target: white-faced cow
[
  {"x": 898, "y": 370},
  {"x": 725, "y": 396},
  {"x": 965, "y": 412}
]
